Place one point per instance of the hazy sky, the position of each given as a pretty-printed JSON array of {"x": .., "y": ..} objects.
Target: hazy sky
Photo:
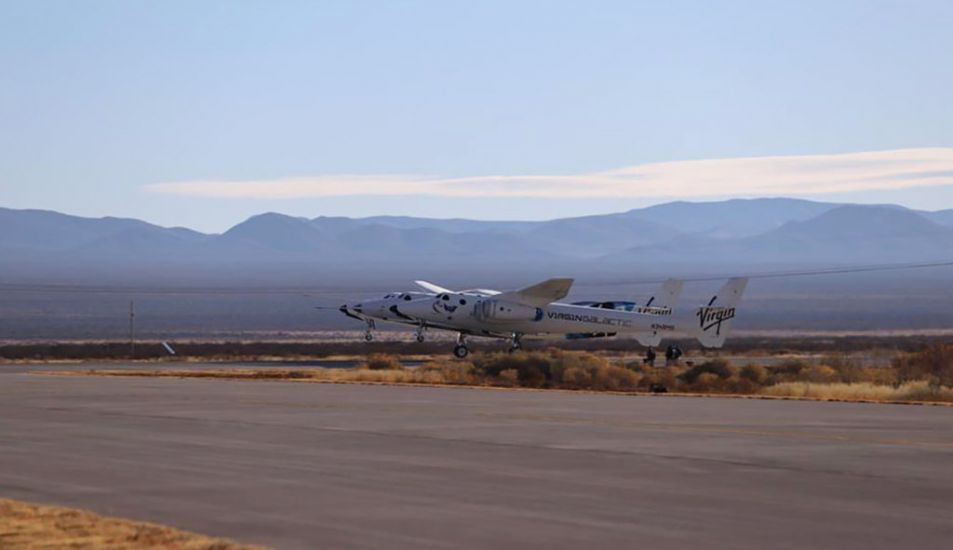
[{"x": 202, "y": 113}]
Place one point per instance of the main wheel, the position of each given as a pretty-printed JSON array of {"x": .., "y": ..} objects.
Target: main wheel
[
  {"x": 461, "y": 351},
  {"x": 368, "y": 337},
  {"x": 420, "y": 338}
]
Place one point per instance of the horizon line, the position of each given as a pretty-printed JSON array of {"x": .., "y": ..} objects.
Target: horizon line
[{"x": 485, "y": 220}]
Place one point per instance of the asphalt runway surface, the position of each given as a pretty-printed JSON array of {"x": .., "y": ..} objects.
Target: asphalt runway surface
[{"x": 304, "y": 465}]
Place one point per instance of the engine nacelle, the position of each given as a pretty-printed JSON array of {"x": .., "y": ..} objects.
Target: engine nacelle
[{"x": 497, "y": 310}]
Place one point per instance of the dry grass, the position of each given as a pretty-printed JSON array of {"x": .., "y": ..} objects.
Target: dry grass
[
  {"x": 382, "y": 361},
  {"x": 920, "y": 391},
  {"x": 311, "y": 345},
  {"x": 24, "y": 525},
  {"x": 914, "y": 377},
  {"x": 420, "y": 375}
]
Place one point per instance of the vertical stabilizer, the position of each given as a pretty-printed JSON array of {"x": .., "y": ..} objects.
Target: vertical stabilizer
[
  {"x": 666, "y": 296},
  {"x": 714, "y": 319}
]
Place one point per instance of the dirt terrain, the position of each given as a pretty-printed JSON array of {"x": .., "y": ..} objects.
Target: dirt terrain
[{"x": 24, "y": 525}]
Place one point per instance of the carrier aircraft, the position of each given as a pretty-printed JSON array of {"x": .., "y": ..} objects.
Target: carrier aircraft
[
  {"x": 386, "y": 308},
  {"x": 537, "y": 310}
]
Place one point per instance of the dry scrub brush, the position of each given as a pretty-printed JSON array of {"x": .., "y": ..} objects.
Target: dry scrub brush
[
  {"x": 24, "y": 525},
  {"x": 926, "y": 375},
  {"x": 555, "y": 368},
  {"x": 920, "y": 390},
  {"x": 382, "y": 361},
  {"x": 934, "y": 364}
]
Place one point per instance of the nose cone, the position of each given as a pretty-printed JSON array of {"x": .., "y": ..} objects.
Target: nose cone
[
  {"x": 376, "y": 308},
  {"x": 351, "y": 311}
]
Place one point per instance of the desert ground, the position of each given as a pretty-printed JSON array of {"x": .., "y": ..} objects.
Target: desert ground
[{"x": 812, "y": 441}]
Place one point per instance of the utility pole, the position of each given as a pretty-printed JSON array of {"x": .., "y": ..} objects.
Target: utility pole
[{"x": 132, "y": 329}]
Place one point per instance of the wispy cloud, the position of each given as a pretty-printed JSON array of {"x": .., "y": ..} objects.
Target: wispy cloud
[{"x": 750, "y": 176}]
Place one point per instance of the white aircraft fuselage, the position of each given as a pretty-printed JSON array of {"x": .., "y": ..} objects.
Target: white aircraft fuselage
[
  {"x": 489, "y": 316},
  {"x": 535, "y": 310}
]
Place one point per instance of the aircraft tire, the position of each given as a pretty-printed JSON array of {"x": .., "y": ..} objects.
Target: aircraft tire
[
  {"x": 368, "y": 337},
  {"x": 420, "y": 338},
  {"x": 461, "y": 352}
]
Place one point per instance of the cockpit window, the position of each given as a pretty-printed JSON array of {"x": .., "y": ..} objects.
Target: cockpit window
[
  {"x": 445, "y": 297},
  {"x": 406, "y": 297}
]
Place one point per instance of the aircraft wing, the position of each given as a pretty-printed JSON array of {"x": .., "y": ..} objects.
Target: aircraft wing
[
  {"x": 430, "y": 287},
  {"x": 481, "y": 291},
  {"x": 539, "y": 294}
]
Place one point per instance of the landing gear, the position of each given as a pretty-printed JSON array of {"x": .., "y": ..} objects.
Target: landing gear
[
  {"x": 368, "y": 332},
  {"x": 655, "y": 387},
  {"x": 515, "y": 342},
  {"x": 461, "y": 350},
  {"x": 672, "y": 355},
  {"x": 419, "y": 335}
]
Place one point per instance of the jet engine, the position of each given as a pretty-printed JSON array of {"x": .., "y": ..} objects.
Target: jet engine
[{"x": 497, "y": 310}]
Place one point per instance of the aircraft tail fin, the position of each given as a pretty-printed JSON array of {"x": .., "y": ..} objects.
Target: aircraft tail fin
[
  {"x": 715, "y": 318},
  {"x": 665, "y": 297},
  {"x": 660, "y": 303}
]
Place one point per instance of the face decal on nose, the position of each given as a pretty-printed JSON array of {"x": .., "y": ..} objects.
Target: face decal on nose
[{"x": 443, "y": 307}]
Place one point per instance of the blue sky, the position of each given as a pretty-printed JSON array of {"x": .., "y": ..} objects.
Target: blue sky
[{"x": 147, "y": 109}]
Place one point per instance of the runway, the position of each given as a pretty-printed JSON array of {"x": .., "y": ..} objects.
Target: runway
[{"x": 302, "y": 465}]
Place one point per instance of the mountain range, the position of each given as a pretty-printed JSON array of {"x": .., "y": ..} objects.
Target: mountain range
[
  {"x": 266, "y": 273},
  {"x": 732, "y": 232}
]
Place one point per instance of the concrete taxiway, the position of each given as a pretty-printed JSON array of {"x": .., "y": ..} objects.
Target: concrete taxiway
[{"x": 303, "y": 465}]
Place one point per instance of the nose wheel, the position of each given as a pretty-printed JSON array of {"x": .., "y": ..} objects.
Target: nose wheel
[
  {"x": 369, "y": 331},
  {"x": 419, "y": 335},
  {"x": 461, "y": 350}
]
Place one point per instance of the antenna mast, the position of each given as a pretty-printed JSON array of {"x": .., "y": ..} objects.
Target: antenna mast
[{"x": 132, "y": 329}]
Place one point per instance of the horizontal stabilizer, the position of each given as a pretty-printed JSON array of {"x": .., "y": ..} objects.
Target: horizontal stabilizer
[
  {"x": 648, "y": 339},
  {"x": 539, "y": 294}
]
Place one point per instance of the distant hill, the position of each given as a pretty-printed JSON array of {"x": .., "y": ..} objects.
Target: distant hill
[
  {"x": 844, "y": 234},
  {"x": 735, "y": 232},
  {"x": 43, "y": 230},
  {"x": 272, "y": 268},
  {"x": 732, "y": 218},
  {"x": 278, "y": 233},
  {"x": 943, "y": 217}
]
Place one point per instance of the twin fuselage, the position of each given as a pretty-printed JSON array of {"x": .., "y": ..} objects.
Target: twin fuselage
[
  {"x": 488, "y": 315},
  {"x": 536, "y": 310}
]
